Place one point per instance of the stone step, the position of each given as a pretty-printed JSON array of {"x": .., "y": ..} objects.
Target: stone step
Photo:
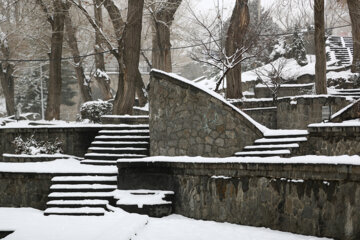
[
  {"x": 155, "y": 203},
  {"x": 271, "y": 147},
  {"x": 125, "y": 119},
  {"x": 357, "y": 90},
  {"x": 125, "y": 138},
  {"x": 98, "y": 162},
  {"x": 81, "y": 196},
  {"x": 110, "y": 156},
  {"x": 266, "y": 153},
  {"x": 263, "y": 141},
  {"x": 126, "y": 127},
  {"x": 117, "y": 150},
  {"x": 129, "y": 132},
  {"x": 120, "y": 144},
  {"x": 82, "y": 187},
  {"x": 77, "y": 203},
  {"x": 110, "y": 180},
  {"x": 83, "y": 211}
]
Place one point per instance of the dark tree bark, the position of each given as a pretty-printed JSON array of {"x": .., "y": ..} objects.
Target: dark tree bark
[
  {"x": 7, "y": 79},
  {"x": 84, "y": 84},
  {"x": 125, "y": 96},
  {"x": 103, "y": 82},
  {"x": 57, "y": 22},
  {"x": 161, "y": 46},
  {"x": 239, "y": 23},
  {"x": 320, "y": 54},
  {"x": 354, "y": 11}
]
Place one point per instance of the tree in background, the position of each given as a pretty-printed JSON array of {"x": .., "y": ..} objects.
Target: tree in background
[
  {"x": 354, "y": 11},
  {"x": 234, "y": 44},
  {"x": 320, "y": 53},
  {"x": 297, "y": 50},
  {"x": 162, "y": 16}
]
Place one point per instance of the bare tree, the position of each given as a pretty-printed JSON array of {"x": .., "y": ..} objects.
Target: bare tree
[
  {"x": 354, "y": 11},
  {"x": 6, "y": 75},
  {"x": 84, "y": 83},
  {"x": 162, "y": 15},
  {"x": 127, "y": 52},
  {"x": 101, "y": 79},
  {"x": 320, "y": 53}
]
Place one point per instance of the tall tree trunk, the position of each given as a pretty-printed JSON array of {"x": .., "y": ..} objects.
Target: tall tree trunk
[
  {"x": 102, "y": 81},
  {"x": 161, "y": 46},
  {"x": 84, "y": 84},
  {"x": 320, "y": 54},
  {"x": 239, "y": 23},
  {"x": 55, "y": 80},
  {"x": 354, "y": 11},
  {"x": 125, "y": 96},
  {"x": 6, "y": 78}
]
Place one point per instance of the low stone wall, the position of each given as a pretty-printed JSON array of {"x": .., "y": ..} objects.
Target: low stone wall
[
  {"x": 299, "y": 112},
  {"x": 332, "y": 141},
  {"x": 186, "y": 120},
  {"x": 75, "y": 141},
  {"x": 24, "y": 189},
  {"x": 266, "y": 116},
  {"x": 263, "y": 91},
  {"x": 308, "y": 199}
]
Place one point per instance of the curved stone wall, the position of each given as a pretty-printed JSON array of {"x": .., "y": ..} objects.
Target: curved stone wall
[{"x": 187, "y": 120}]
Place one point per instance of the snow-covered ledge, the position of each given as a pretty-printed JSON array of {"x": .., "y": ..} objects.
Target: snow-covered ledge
[{"x": 186, "y": 119}]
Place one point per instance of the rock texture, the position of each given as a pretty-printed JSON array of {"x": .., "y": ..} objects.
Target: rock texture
[
  {"x": 311, "y": 199},
  {"x": 185, "y": 120}
]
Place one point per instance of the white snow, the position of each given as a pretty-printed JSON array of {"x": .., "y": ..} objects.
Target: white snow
[
  {"x": 347, "y": 123},
  {"x": 84, "y": 178},
  {"x": 267, "y": 152},
  {"x": 56, "y": 166},
  {"x": 259, "y": 126},
  {"x": 42, "y": 155},
  {"x": 282, "y": 140},
  {"x": 307, "y": 159},
  {"x": 31, "y": 224},
  {"x": 125, "y": 116},
  {"x": 141, "y": 197},
  {"x": 286, "y": 85},
  {"x": 78, "y": 202},
  {"x": 220, "y": 177},
  {"x": 83, "y": 210},
  {"x": 83, "y": 186},
  {"x": 291, "y": 145}
]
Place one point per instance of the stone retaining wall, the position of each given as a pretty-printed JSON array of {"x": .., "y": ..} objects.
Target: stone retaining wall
[
  {"x": 186, "y": 120},
  {"x": 308, "y": 199},
  {"x": 24, "y": 189},
  {"x": 332, "y": 141},
  {"x": 75, "y": 140},
  {"x": 266, "y": 116}
]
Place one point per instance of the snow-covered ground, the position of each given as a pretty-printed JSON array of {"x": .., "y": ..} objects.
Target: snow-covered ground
[{"x": 28, "y": 223}]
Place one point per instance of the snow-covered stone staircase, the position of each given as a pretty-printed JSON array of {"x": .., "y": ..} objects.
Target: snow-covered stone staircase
[
  {"x": 340, "y": 49},
  {"x": 347, "y": 92},
  {"x": 283, "y": 143},
  {"x": 85, "y": 194},
  {"x": 124, "y": 141}
]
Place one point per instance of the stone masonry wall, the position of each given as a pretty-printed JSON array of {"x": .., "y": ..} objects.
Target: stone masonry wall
[
  {"x": 310, "y": 199},
  {"x": 185, "y": 120},
  {"x": 24, "y": 189},
  {"x": 75, "y": 141},
  {"x": 265, "y": 116},
  {"x": 332, "y": 141}
]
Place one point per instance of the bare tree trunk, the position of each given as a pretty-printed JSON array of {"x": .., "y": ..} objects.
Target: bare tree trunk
[
  {"x": 7, "y": 79},
  {"x": 84, "y": 84},
  {"x": 125, "y": 96},
  {"x": 320, "y": 54},
  {"x": 161, "y": 46},
  {"x": 239, "y": 23},
  {"x": 140, "y": 89},
  {"x": 354, "y": 11},
  {"x": 103, "y": 82}
]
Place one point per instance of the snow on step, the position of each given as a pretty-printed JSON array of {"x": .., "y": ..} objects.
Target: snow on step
[
  {"x": 83, "y": 186},
  {"x": 291, "y": 145},
  {"x": 87, "y": 202},
  {"x": 270, "y": 152},
  {"x": 281, "y": 140},
  {"x": 141, "y": 197},
  {"x": 84, "y": 178},
  {"x": 82, "y": 210},
  {"x": 118, "y": 143},
  {"x": 121, "y": 137},
  {"x": 116, "y": 148},
  {"x": 80, "y": 194},
  {"x": 285, "y": 133},
  {"x": 114, "y": 155},
  {"x": 99, "y": 162},
  {"x": 124, "y": 131}
]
